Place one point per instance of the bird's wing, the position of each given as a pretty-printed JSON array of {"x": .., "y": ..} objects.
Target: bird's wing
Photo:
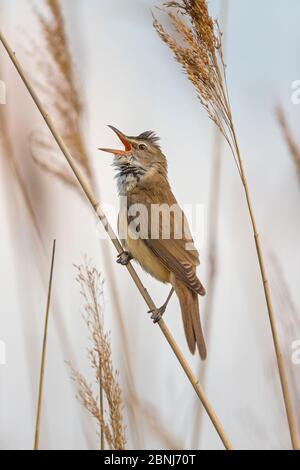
[
  {"x": 180, "y": 262},
  {"x": 171, "y": 241}
]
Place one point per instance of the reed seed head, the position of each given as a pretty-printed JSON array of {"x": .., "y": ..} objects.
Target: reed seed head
[{"x": 100, "y": 358}]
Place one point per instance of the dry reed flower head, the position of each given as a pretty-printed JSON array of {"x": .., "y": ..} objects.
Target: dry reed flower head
[
  {"x": 100, "y": 358},
  {"x": 60, "y": 88},
  {"x": 202, "y": 23},
  {"x": 199, "y": 51}
]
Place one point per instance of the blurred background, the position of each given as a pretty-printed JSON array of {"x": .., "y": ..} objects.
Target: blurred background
[{"x": 126, "y": 76}]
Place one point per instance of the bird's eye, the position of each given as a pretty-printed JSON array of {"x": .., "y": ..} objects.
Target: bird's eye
[{"x": 142, "y": 147}]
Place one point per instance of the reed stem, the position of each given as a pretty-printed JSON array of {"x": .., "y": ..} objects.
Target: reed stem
[
  {"x": 43, "y": 360},
  {"x": 97, "y": 208},
  {"x": 101, "y": 406},
  {"x": 275, "y": 335}
]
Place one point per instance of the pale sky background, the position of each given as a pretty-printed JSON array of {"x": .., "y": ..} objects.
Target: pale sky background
[{"x": 130, "y": 79}]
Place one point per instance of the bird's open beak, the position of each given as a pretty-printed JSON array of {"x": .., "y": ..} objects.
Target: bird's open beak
[{"x": 128, "y": 148}]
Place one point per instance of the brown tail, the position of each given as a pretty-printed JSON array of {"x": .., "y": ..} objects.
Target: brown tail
[{"x": 191, "y": 318}]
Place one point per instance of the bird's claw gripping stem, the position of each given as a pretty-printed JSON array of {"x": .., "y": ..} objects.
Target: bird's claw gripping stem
[
  {"x": 124, "y": 258},
  {"x": 157, "y": 313}
]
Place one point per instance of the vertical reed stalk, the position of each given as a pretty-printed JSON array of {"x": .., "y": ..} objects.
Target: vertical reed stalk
[
  {"x": 272, "y": 317},
  {"x": 201, "y": 57},
  {"x": 101, "y": 407},
  {"x": 43, "y": 360},
  {"x": 98, "y": 210}
]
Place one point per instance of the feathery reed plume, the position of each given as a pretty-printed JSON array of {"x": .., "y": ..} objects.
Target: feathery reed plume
[
  {"x": 62, "y": 95},
  {"x": 61, "y": 91},
  {"x": 43, "y": 360},
  {"x": 91, "y": 197},
  {"x": 293, "y": 147},
  {"x": 100, "y": 358},
  {"x": 200, "y": 53}
]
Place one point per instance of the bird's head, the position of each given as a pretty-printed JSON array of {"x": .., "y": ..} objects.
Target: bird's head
[{"x": 141, "y": 154}]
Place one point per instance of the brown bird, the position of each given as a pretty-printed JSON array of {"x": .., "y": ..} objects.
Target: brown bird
[{"x": 154, "y": 231}]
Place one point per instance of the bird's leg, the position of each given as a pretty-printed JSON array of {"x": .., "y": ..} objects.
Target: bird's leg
[
  {"x": 124, "y": 258},
  {"x": 157, "y": 313}
]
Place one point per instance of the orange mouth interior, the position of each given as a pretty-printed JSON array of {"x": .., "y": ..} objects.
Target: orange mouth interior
[{"x": 127, "y": 145}]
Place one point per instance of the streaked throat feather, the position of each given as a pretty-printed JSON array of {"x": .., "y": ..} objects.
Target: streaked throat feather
[{"x": 128, "y": 176}]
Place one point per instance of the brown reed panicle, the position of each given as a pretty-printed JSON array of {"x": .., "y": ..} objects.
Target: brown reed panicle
[
  {"x": 100, "y": 358},
  {"x": 200, "y": 54},
  {"x": 292, "y": 145},
  {"x": 62, "y": 93},
  {"x": 199, "y": 51}
]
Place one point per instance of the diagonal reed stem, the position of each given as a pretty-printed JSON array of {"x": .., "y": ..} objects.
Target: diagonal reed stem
[
  {"x": 98, "y": 210},
  {"x": 43, "y": 360}
]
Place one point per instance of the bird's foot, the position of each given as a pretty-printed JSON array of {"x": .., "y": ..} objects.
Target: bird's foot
[
  {"x": 124, "y": 258},
  {"x": 157, "y": 313}
]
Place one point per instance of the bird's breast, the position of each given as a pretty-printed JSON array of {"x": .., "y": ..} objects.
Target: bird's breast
[{"x": 140, "y": 251}]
